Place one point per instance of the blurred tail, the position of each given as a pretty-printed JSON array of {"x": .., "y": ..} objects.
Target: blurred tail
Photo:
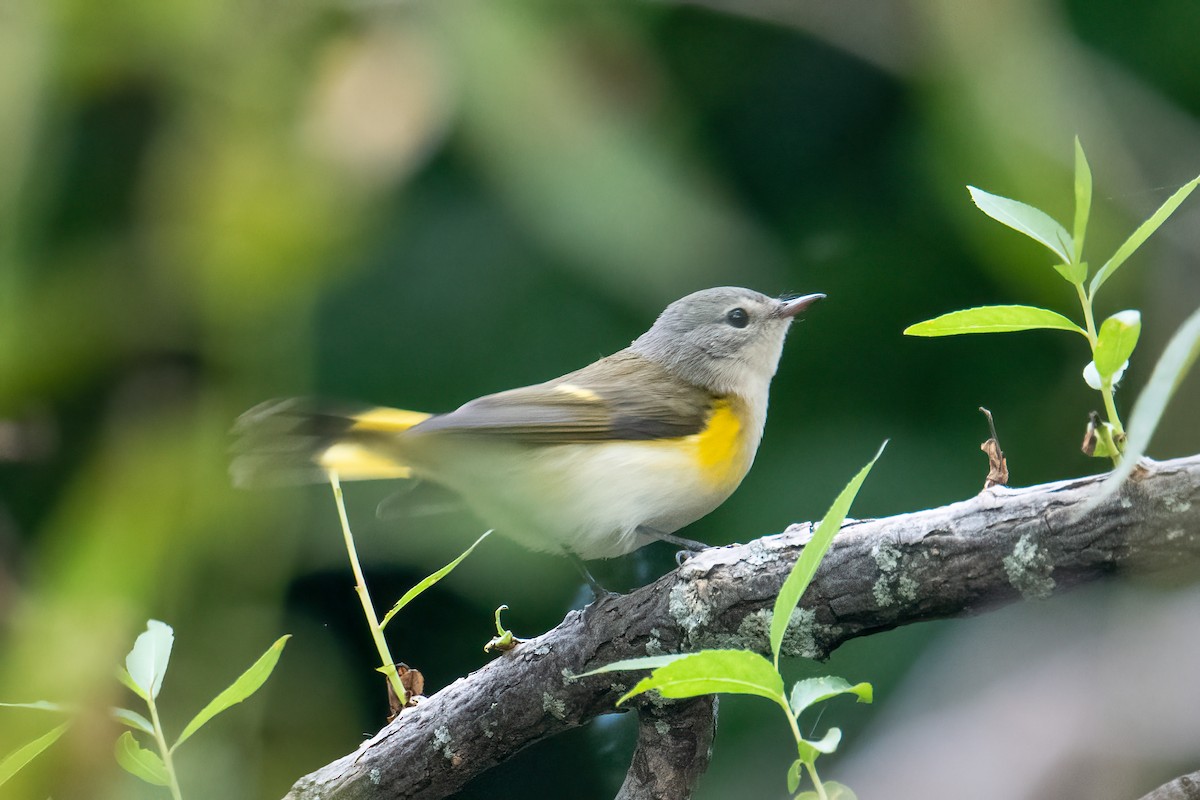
[{"x": 283, "y": 442}]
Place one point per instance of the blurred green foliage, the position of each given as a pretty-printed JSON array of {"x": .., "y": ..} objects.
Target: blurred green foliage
[{"x": 206, "y": 204}]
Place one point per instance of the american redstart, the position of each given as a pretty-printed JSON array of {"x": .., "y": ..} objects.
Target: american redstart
[{"x": 598, "y": 462}]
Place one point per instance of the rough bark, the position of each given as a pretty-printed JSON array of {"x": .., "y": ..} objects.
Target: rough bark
[
  {"x": 998, "y": 547},
  {"x": 673, "y": 749},
  {"x": 1186, "y": 787}
]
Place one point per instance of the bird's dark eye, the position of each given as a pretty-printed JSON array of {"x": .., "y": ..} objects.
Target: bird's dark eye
[{"x": 738, "y": 318}]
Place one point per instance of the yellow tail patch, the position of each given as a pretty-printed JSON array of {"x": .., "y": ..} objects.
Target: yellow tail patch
[
  {"x": 358, "y": 461},
  {"x": 387, "y": 420},
  {"x": 353, "y": 462}
]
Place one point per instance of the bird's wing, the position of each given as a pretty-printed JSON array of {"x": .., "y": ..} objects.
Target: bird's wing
[{"x": 622, "y": 397}]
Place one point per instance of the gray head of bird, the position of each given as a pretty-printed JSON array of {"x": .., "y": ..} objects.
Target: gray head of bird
[{"x": 727, "y": 339}]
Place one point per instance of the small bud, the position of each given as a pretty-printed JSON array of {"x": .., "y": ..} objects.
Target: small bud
[
  {"x": 1129, "y": 319},
  {"x": 1091, "y": 375}
]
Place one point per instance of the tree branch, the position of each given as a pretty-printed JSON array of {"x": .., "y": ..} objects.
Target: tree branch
[
  {"x": 1185, "y": 787},
  {"x": 673, "y": 749},
  {"x": 998, "y": 547}
]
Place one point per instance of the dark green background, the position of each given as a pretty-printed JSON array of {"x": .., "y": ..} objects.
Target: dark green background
[{"x": 204, "y": 205}]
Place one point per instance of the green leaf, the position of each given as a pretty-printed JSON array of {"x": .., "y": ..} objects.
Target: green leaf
[
  {"x": 133, "y": 720},
  {"x": 1143, "y": 232},
  {"x": 809, "y": 749},
  {"x": 140, "y": 762},
  {"x": 414, "y": 592},
  {"x": 645, "y": 662},
  {"x": 12, "y": 763},
  {"x": 1083, "y": 201},
  {"x": 1178, "y": 357},
  {"x": 1033, "y": 222},
  {"x": 810, "y": 557},
  {"x": 793, "y": 775},
  {"x": 810, "y": 691},
  {"x": 124, "y": 677},
  {"x": 1074, "y": 274},
  {"x": 147, "y": 661},
  {"x": 993, "y": 319},
  {"x": 39, "y": 705},
  {"x": 713, "y": 671},
  {"x": 1115, "y": 342},
  {"x": 247, "y": 684}
]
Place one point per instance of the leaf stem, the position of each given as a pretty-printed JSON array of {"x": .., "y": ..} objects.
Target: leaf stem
[
  {"x": 161, "y": 739},
  {"x": 360, "y": 586},
  {"x": 1110, "y": 408},
  {"x": 1106, "y": 390},
  {"x": 1088, "y": 319},
  {"x": 787, "y": 709},
  {"x": 811, "y": 766}
]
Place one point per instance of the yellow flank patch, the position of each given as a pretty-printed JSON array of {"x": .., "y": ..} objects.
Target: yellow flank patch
[
  {"x": 387, "y": 420},
  {"x": 353, "y": 462},
  {"x": 578, "y": 392},
  {"x": 719, "y": 445}
]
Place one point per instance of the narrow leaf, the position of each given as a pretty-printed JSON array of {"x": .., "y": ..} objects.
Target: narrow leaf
[
  {"x": 1083, "y": 198},
  {"x": 646, "y": 662},
  {"x": 1181, "y": 352},
  {"x": 1033, "y": 222},
  {"x": 993, "y": 319},
  {"x": 124, "y": 677},
  {"x": 1143, "y": 232},
  {"x": 1115, "y": 342},
  {"x": 1074, "y": 273},
  {"x": 809, "y": 749},
  {"x": 133, "y": 720},
  {"x": 12, "y": 763},
  {"x": 810, "y": 557},
  {"x": 713, "y": 671},
  {"x": 247, "y": 684},
  {"x": 810, "y": 691},
  {"x": 793, "y": 776},
  {"x": 147, "y": 661},
  {"x": 39, "y": 705},
  {"x": 414, "y": 592},
  {"x": 140, "y": 762}
]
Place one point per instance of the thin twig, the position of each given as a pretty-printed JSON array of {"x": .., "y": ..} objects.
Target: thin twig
[{"x": 360, "y": 586}]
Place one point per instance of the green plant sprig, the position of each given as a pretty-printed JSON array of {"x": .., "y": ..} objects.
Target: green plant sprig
[
  {"x": 374, "y": 624},
  {"x": 746, "y": 672},
  {"x": 144, "y": 670},
  {"x": 143, "y": 673},
  {"x": 15, "y": 761},
  {"x": 388, "y": 664},
  {"x": 1113, "y": 342}
]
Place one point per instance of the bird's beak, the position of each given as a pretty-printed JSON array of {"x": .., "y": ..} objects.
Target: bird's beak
[{"x": 791, "y": 308}]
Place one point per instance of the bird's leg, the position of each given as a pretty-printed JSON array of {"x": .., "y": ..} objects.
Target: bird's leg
[
  {"x": 690, "y": 546},
  {"x": 598, "y": 591},
  {"x": 679, "y": 541}
]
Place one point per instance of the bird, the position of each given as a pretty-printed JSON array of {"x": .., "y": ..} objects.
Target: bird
[{"x": 595, "y": 463}]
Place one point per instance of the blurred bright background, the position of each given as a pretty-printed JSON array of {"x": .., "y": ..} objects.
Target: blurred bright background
[{"x": 205, "y": 204}]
